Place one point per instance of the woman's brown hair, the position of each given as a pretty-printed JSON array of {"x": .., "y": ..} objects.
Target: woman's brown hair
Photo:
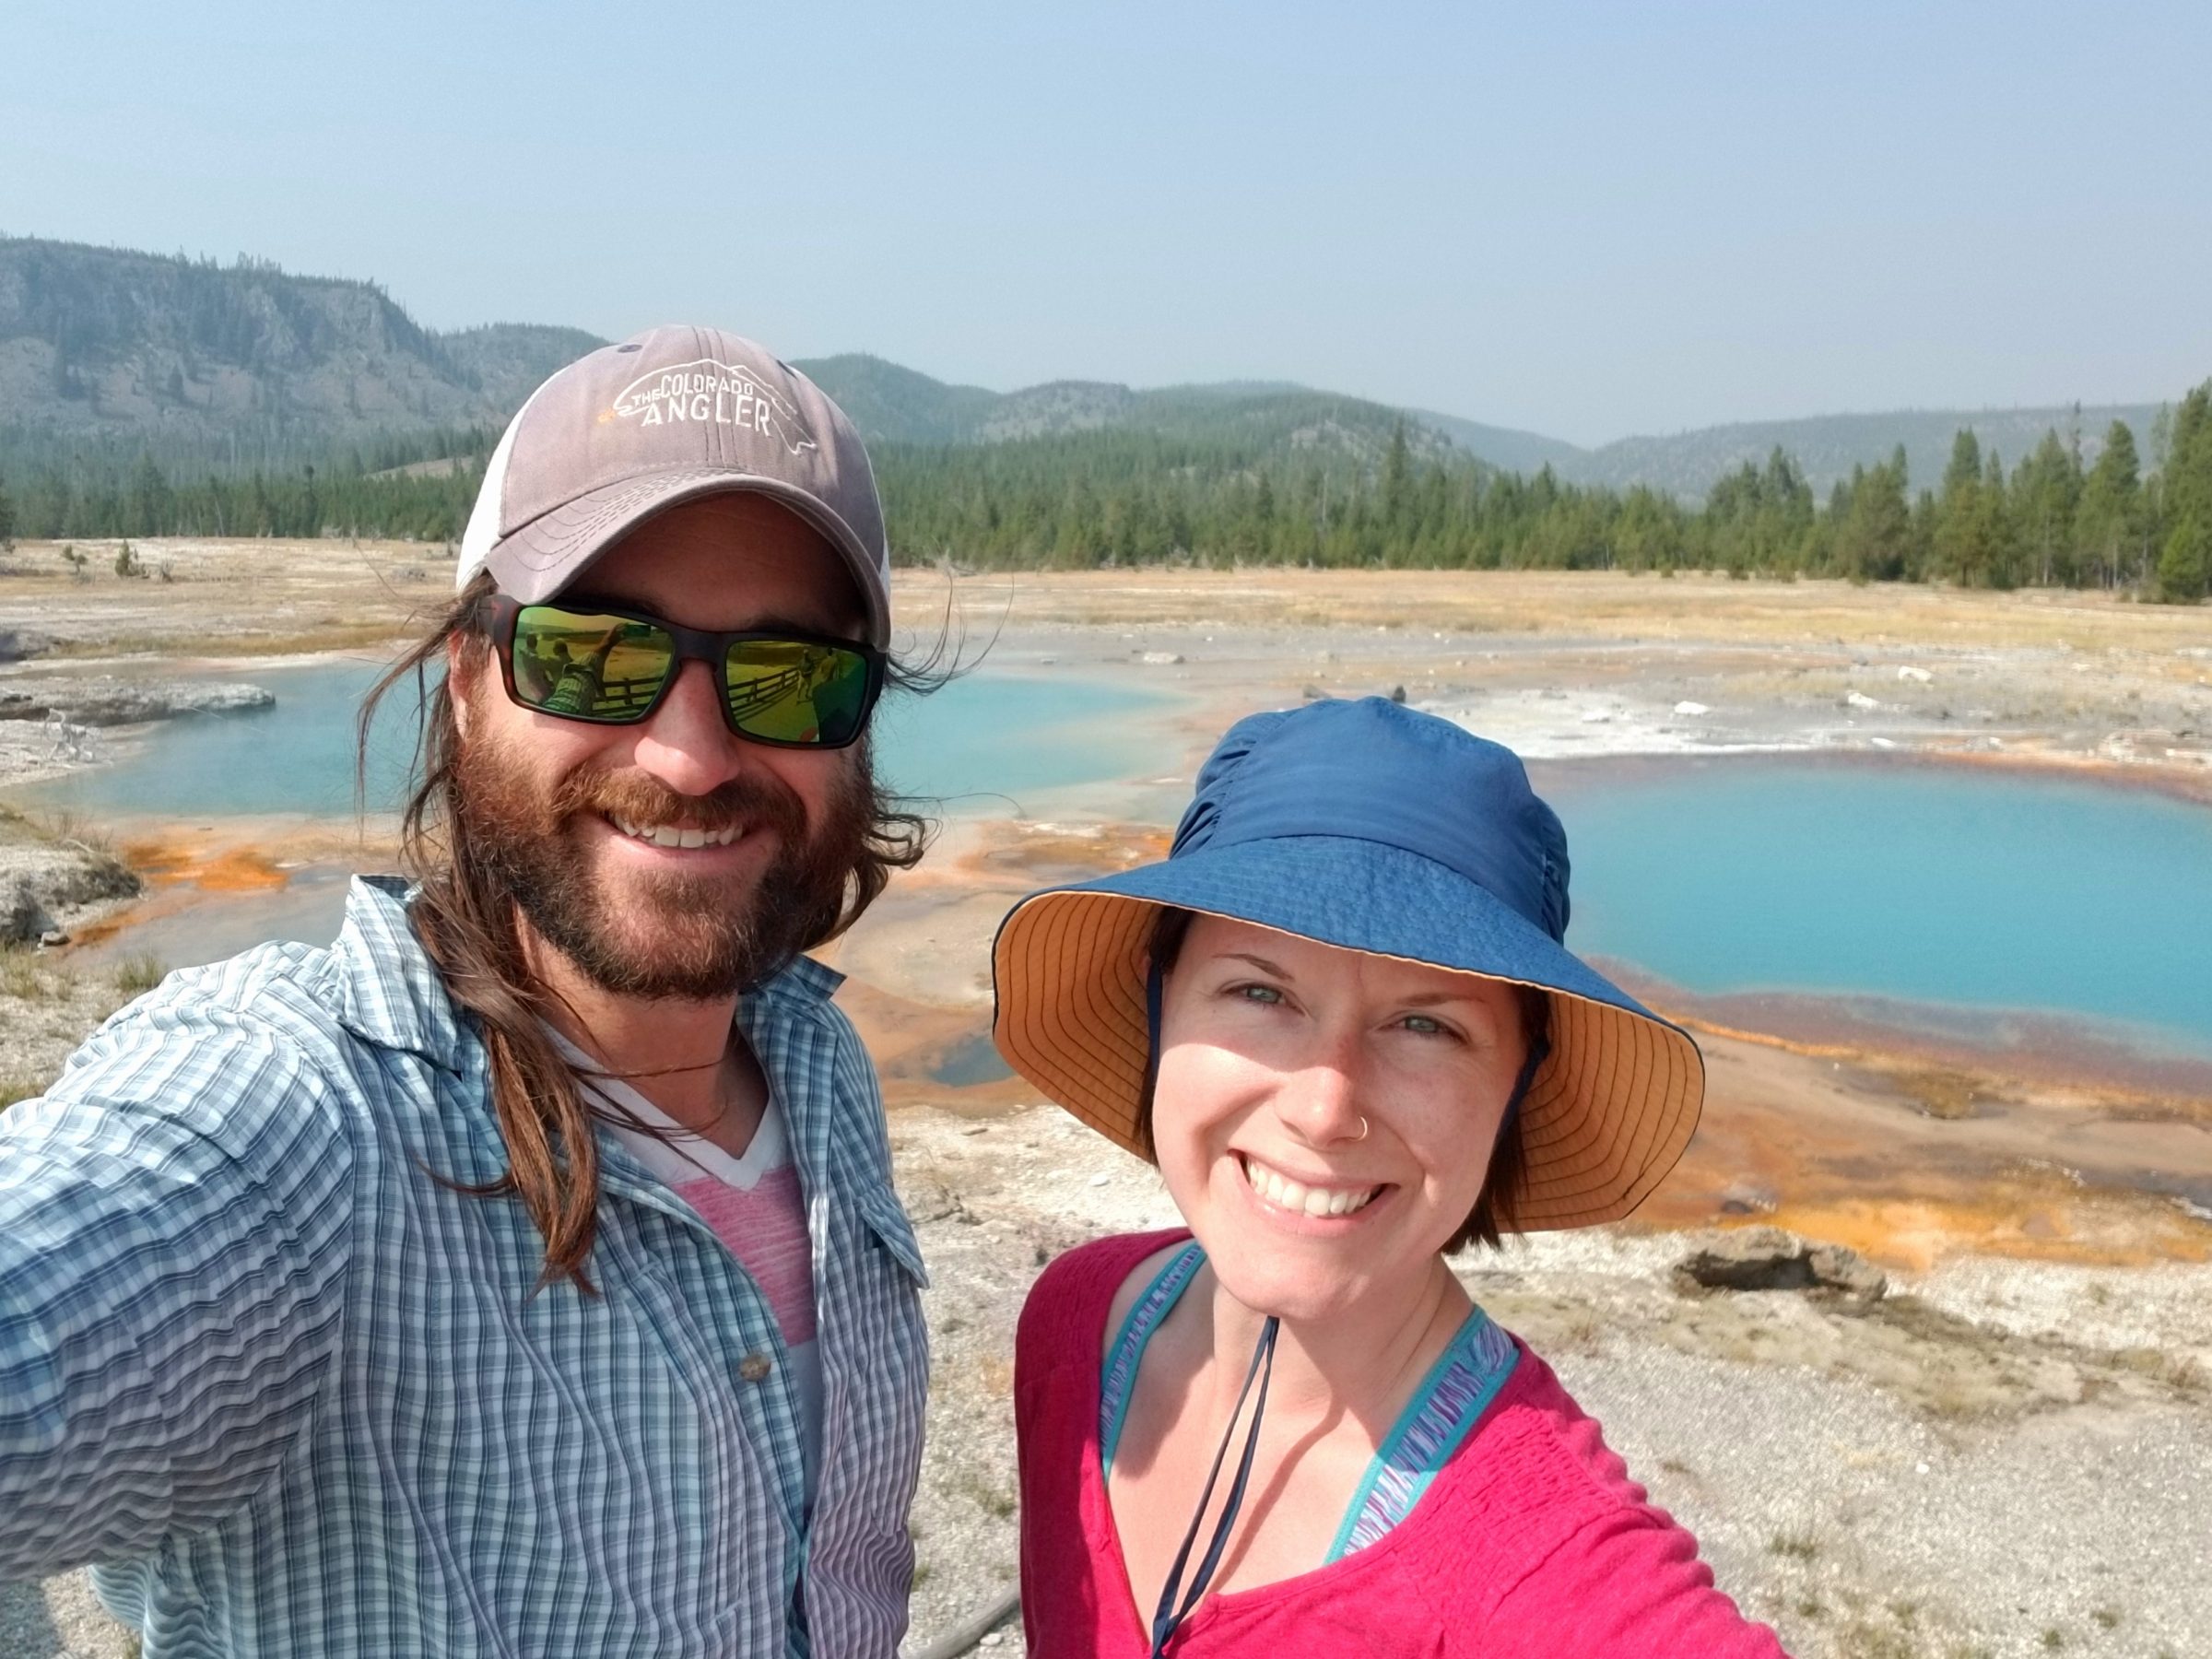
[
  {"x": 466, "y": 919},
  {"x": 1507, "y": 1168}
]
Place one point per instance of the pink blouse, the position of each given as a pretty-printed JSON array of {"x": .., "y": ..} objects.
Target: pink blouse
[{"x": 1532, "y": 1542}]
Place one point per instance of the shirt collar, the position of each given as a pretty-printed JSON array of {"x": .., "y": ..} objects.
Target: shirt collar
[
  {"x": 390, "y": 992},
  {"x": 806, "y": 981}
]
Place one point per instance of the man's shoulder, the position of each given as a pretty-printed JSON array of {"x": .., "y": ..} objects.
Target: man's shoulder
[
  {"x": 281, "y": 993},
  {"x": 263, "y": 1031},
  {"x": 238, "y": 1061}
]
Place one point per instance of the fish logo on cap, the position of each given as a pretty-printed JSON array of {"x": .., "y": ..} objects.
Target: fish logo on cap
[{"x": 709, "y": 391}]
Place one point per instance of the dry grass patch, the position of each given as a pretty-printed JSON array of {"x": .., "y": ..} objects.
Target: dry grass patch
[
  {"x": 29, "y": 976},
  {"x": 138, "y": 974},
  {"x": 18, "y": 1088},
  {"x": 190, "y": 642}
]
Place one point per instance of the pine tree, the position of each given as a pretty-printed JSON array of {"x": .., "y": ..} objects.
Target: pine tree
[
  {"x": 1998, "y": 536},
  {"x": 2109, "y": 525},
  {"x": 2185, "y": 557},
  {"x": 2046, "y": 497},
  {"x": 152, "y": 503},
  {"x": 1960, "y": 549},
  {"x": 2185, "y": 563},
  {"x": 1965, "y": 466},
  {"x": 1873, "y": 535},
  {"x": 1920, "y": 555},
  {"x": 1397, "y": 481}
]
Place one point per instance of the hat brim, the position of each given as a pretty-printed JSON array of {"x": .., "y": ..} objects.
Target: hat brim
[
  {"x": 539, "y": 559},
  {"x": 1606, "y": 1116}
]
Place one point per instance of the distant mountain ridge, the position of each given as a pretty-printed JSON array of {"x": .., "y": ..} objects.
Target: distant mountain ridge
[
  {"x": 1827, "y": 447},
  {"x": 209, "y": 366}
]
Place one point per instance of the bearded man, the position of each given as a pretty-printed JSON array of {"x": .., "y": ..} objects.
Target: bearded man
[{"x": 522, "y": 1274}]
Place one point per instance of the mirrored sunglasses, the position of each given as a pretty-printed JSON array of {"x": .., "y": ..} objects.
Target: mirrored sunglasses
[{"x": 609, "y": 666}]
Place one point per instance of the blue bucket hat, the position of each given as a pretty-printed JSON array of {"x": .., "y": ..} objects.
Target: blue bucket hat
[{"x": 1371, "y": 827}]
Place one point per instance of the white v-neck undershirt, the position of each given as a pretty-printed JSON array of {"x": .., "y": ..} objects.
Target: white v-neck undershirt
[{"x": 754, "y": 1204}]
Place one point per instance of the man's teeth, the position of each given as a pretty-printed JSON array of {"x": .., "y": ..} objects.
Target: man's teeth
[
  {"x": 1286, "y": 1194},
  {"x": 668, "y": 835}
]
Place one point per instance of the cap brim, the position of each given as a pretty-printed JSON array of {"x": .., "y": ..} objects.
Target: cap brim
[
  {"x": 1607, "y": 1115},
  {"x": 547, "y": 554}
]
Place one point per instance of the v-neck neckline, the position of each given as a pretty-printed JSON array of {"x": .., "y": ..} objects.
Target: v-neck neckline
[{"x": 1367, "y": 1556}]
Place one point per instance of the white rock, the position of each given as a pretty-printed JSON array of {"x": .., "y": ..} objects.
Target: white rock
[
  {"x": 1687, "y": 707},
  {"x": 1910, "y": 673},
  {"x": 1859, "y": 699},
  {"x": 1159, "y": 659}
]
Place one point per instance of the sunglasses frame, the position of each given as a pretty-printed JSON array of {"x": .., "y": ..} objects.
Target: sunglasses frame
[{"x": 500, "y": 615}]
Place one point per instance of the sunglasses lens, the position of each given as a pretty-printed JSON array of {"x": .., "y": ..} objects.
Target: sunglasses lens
[
  {"x": 788, "y": 692},
  {"x": 588, "y": 667}
]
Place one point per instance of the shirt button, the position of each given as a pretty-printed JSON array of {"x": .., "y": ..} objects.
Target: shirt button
[{"x": 753, "y": 1368}]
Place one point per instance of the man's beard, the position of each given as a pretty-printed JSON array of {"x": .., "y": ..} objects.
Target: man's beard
[{"x": 688, "y": 938}]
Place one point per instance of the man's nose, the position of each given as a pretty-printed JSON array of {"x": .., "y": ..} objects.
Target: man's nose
[{"x": 687, "y": 745}]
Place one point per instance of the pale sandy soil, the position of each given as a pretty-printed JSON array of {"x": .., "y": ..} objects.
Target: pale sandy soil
[{"x": 2021, "y": 1449}]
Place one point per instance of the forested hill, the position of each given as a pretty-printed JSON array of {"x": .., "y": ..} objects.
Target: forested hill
[
  {"x": 892, "y": 405},
  {"x": 232, "y": 366},
  {"x": 1828, "y": 447}
]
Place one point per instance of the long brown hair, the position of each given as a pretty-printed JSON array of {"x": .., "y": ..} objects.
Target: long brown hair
[{"x": 467, "y": 922}]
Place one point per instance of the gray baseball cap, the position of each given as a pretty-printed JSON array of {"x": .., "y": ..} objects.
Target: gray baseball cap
[{"x": 667, "y": 417}]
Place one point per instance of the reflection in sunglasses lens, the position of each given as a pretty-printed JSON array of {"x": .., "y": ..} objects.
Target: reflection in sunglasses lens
[
  {"x": 788, "y": 692},
  {"x": 599, "y": 668}
]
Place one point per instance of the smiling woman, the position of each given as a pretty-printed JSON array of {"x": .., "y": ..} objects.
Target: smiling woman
[{"x": 1340, "y": 1017}]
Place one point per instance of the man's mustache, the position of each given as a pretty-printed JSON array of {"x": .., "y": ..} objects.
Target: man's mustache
[{"x": 641, "y": 800}]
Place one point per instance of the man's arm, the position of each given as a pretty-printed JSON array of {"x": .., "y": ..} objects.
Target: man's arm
[{"x": 174, "y": 1229}]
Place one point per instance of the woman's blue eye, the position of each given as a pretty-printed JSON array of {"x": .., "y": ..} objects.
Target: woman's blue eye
[
  {"x": 1258, "y": 993},
  {"x": 1423, "y": 1025}
]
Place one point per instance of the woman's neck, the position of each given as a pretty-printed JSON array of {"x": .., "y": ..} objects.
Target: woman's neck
[{"x": 1365, "y": 1360}]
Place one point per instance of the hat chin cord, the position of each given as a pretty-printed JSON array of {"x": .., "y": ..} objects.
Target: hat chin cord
[{"x": 1166, "y": 1614}]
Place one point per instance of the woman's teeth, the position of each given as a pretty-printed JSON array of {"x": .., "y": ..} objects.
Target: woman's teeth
[
  {"x": 668, "y": 835},
  {"x": 1286, "y": 1194}
]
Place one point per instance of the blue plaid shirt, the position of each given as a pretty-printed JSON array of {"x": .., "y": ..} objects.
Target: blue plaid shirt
[{"x": 294, "y": 1395}]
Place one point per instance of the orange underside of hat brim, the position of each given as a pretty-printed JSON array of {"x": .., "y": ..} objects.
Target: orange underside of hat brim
[{"x": 1606, "y": 1116}]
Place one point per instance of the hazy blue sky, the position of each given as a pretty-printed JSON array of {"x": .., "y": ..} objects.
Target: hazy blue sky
[{"x": 1587, "y": 219}]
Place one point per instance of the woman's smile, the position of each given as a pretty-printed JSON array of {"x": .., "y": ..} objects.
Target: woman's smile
[{"x": 1276, "y": 1193}]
